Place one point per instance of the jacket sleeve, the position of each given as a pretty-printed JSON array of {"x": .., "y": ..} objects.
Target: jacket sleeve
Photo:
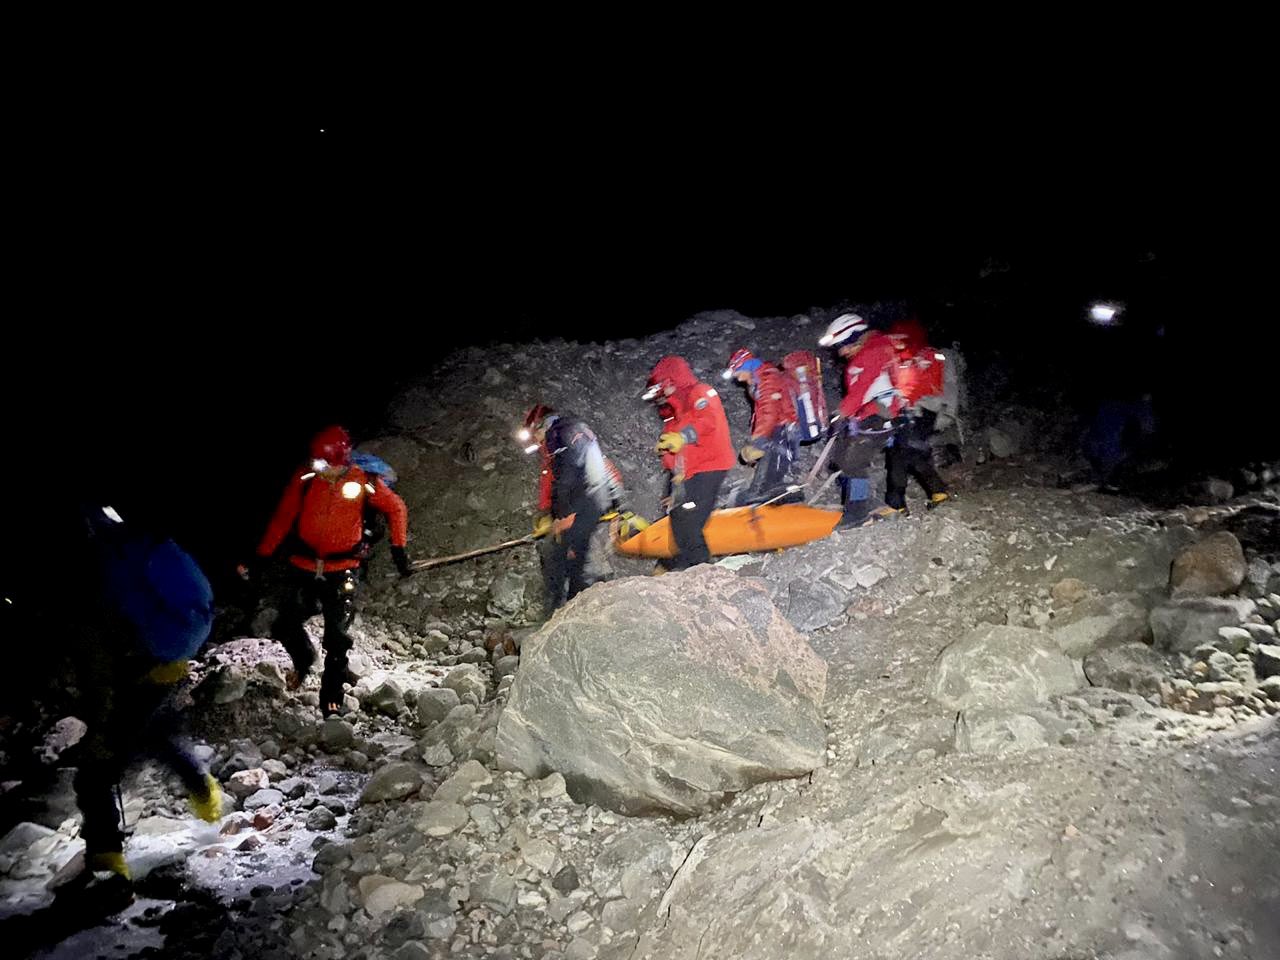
[
  {"x": 544, "y": 483},
  {"x": 568, "y": 476},
  {"x": 386, "y": 501},
  {"x": 283, "y": 519},
  {"x": 706, "y": 420}
]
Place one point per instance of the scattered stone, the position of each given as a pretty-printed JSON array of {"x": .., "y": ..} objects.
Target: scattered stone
[
  {"x": 263, "y": 798},
  {"x": 441, "y": 819},
  {"x": 505, "y": 667},
  {"x": 465, "y": 781},
  {"x": 1069, "y": 590},
  {"x": 434, "y": 704},
  {"x": 995, "y": 732},
  {"x": 1134, "y": 668},
  {"x": 541, "y": 855},
  {"x": 1233, "y": 640},
  {"x": 1267, "y": 660},
  {"x": 384, "y": 894},
  {"x": 1212, "y": 567},
  {"x": 227, "y": 684},
  {"x": 465, "y": 680},
  {"x": 497, "y": 891},
  {"x": 1098, "y": 622},
  {"x": 337, "y": 735},
  {"x": 566, "y": 881},
  {"x": 270, "y": 671},
  {"x": 395, "y": 781},
  {"x": 1183, "y": 625},
  {"x": 247, "y": 782},
  {"x": 321, "y": 818},
  {"x": 437, "y": 755},
  {"x": 293, "y": 787},
  {"x": 386, "y": 698},
  {"x": 552, "y": 786}
]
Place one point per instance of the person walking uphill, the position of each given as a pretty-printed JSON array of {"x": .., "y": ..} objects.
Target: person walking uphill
[
  {"x": 321, "y": 515},
  {"x": 919, "y": 375},
  {"x": 870, "y": 404},
  {"x": 576, "y": 485},
  {"x": 697, "y": 451},
  {"x": 775, "y": 438}
]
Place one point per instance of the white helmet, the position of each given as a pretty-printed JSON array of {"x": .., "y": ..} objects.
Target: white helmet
[{"x": 842, "y": 328}]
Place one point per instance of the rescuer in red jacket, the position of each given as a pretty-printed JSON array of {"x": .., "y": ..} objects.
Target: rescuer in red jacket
[
  {"x": 775, "y": 437},
  {"x": 919, "y": 373},
  {"x": 696, "y": 449},
  {"x": 322, "y": 516},
  {"x": 871, "y": 402}
]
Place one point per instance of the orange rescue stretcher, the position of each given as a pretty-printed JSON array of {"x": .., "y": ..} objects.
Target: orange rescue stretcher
[{"x": 737, "y": 530}]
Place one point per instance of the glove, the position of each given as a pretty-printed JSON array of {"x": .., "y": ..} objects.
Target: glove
[
  {"x": 401, "y": 560},
  {"x": 209, "y": 807},
  {"x": 561, "y": 524},
  {"x": 670, "y": 443},
  {"x": 750, "y": 453},
  {"x": 542, "y": 526}
]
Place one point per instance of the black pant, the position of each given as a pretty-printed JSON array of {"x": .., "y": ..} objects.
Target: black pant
[
  {"x": 911, "y": 456},
  {"x": 855, "y": 450},
  {"x": 773, "y": 470},
  {"x": 139, "y": 721},
  {"x": 691, "y": 504},
  {"x": 564, "y": 561},
  {"x": 335, "y": 595}
]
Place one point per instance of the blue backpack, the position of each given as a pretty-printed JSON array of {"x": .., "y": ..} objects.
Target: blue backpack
[
  {"x": 159, "y": 588},
  {"x": 374, "y": 466}
]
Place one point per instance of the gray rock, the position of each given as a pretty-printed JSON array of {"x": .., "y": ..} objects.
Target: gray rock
[
  {"x": 1270, "y": 688},
  {"x": 642, "y": 713},
  {"x": 442, "y": 928},
  {"x": 245, "y": 783},
  {"x": 1222, "y": 666},
  {"x": 1261, "y": 632},
  {"x": 995, "y": 732},
  {"x": 412, "y": 951},
  {"x": 505, "y": 667},
  {"x": 540, "y": 855},
  {"x": 1098, "y": 622},
  {"x": 1267, "y": 660},
  {"x": 395, "y": 781},
  {"x": 321, "y": 818},
  {"x": 552, "y": 786},
  {"x": 435, "y": 642},
  {"x": 1134, "y": 668},
  {"x": 1002, "y": 443},
  {"x": 457, "y": 731},
  {"x": 623, "y": 865},
  {"x": 1069, "y": 590},
  {"x": 292, "y": 788},
  {"x": 434, "y": 704},
  {"x": 813, "y": 604},
  {"x": 383, "y": 894},
  {"x": 386, "y": 698},
  {"x": 507, "y": 595},
  {"x": 467, "y": 679},
  {"x": 474, "y": 655},
  {"x": 566, "y": 881},
  {"x": 227, "y": 684},
  {"x": 1000, "y": 667},
  {"x": 22, "y": 836},
  {"x": 1233, "y": 640},
  {"x": 437, "y": 755},
  {"x": 497, "y": 891},
  {"x": 327, "y": 783},
  {"x": 442, "y": 819},
  {"x": 1211, "y": 567},
  {"x": 1183, "y": 625},
  {"x": 337, "y": 735},
  {"x": 263, "y": 798},
  {"x": 465, "y": 781}
]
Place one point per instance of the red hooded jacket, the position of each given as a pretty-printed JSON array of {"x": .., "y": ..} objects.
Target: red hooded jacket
[
  {"x": 697, "y": 416},
  {"x": 920, "y": 370},
  {"x": 869, "y": 374}
]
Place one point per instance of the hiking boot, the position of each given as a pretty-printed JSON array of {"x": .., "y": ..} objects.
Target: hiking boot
[
  {"x": 937, "y": 500},
  {"x": 883, "y": 513}
]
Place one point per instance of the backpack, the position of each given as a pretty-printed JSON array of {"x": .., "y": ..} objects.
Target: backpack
[
  {"x": 155, "y": 585},
  {"x": 949, "y": 395},
  {"x": 804, "y": 375},
  {"x": 374, "y": 467},
  {"x": 375, "y": 524}
]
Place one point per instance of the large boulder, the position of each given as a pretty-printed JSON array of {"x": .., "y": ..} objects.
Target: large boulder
[
  {"x": 1183, "y": 625},
  {"x": 666, "y": 694},
  {"x": 1133, "y": 667},
  {"x": 1002, "y": 667},
  {"x": 1212, "y": 567}
]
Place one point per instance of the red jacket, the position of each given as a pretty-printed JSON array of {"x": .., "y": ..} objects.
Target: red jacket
[
  {"x": 868, "y": 375},
  {"x": 698, "y": 416},
  {"x": 544, "y": 481},
  {"x": 328, "y": 517},
  {"x": 773, "y": 404}
]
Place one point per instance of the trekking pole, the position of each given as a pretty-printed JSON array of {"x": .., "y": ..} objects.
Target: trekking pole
[
  {"x": 822, "y": 459},
  {"x": 506, "y": 544},
  {"x": 792, "y": 488},
  {"x": 825, "y": 483}
]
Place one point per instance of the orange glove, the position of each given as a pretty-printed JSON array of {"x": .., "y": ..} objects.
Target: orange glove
[{"x": 561, "y": 524}]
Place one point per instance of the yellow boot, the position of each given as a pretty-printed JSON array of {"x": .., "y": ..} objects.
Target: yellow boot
[
  {"x": 209, "y": 807},
  {"x": 108, "y": 862}
]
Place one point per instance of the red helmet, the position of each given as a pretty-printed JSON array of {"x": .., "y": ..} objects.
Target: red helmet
[
  {"x": 332, "y": 445},
  {"x": 739, "y": 357}
]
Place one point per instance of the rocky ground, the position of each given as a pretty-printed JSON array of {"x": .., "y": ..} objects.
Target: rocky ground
[{"x": 1040, "y": 742}]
